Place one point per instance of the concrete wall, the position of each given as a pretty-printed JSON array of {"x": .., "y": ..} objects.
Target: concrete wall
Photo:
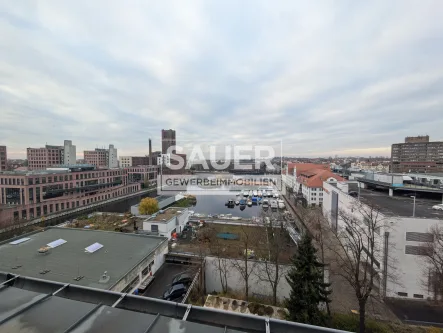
[
  {"x": 158, "y": 257},
  {"x": 236, "y": 282},
  {"x": 413, "y": 271},
  {"x": 406, "y": 272},
  {"x": 165, "y": 228},
  {"x": 182, "y": 220}
]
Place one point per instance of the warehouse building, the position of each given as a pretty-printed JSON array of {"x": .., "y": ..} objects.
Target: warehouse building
[{"x": 96, "y": 259}]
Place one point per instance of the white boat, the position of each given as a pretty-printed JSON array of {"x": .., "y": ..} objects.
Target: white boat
[
  {"x": 249, "y": 203},
  {"x": 254, "y": 193},
  {"x": 259, "y": 193},
  {"x": 274, "y": 194},
  {"x": 269, "y": 193},
  {"x": 250, "y": 193},
  {"x": 237, "y": 202},
  {"x": 238, "y": 194},
  {"x": 281, "y": 204},
  {"x": 274, "y": 204},
  {"x": 245, "y": 193},
  {"x": 265, "y": 203}
]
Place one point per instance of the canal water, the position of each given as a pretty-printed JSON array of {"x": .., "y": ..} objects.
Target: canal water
[
  {"x": 208, "y": 201},
  {"x": 125, "y": 205},
  {"x": 215, "y": 204}
]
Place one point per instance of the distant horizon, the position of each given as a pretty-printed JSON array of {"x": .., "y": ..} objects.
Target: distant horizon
[
  {"x": 335, "y": 78},
  {"x": 79, "y": 157}
]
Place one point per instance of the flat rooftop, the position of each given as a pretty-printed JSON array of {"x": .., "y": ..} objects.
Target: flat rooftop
[
  {"x": 401, "y": 205},
  {"x": 119, "y": 255},
  {"x": 41, "y": 306},
  {"x": 167, "y": 214}
]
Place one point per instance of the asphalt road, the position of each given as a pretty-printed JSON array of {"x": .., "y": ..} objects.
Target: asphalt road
[{"x": 163, "y": 278}]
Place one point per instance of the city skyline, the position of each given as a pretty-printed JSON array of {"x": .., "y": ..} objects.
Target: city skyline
[{"x": 342, "y": 78}]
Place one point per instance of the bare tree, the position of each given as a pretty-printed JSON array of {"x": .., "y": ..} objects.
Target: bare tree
[
  {"x": 246, "y": 266},
  {"x": 222, "y": 263},
  {"x": 274, "y": 237},
  {"x": 357, "y": 249},
  {"x": 432, "y": 250}
]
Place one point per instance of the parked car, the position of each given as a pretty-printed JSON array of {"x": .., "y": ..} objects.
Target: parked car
[
  {"x": 438, "y": 207},
  {"x": 183, "y": 278},
  {"x": 353, "y": 194},
  {"x": 174, "y": 292}
]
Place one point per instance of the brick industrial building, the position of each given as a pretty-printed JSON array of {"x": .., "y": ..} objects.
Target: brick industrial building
[
  {"x": 31, "y": 194},
  {"x": 168, "y": 140},
  {"x": 417, "y": 154},
  {"x": 50, "y": 155},
  {"x": 101, "y": 157}
]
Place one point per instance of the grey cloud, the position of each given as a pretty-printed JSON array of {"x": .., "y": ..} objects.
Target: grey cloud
[{"x": 346, "y": 77}]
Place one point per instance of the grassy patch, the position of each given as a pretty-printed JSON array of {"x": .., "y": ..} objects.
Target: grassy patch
[{"x": 350, "y": 322}]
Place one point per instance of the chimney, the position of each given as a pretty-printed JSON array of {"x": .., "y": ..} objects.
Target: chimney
[{"x": 150, "y": 152}]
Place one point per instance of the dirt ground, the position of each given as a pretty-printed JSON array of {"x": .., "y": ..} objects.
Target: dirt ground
[
  {"x": 106, "y": 222},
  {"x": 232, "y": 248}
]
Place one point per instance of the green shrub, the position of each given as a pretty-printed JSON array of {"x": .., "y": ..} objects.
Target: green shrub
[{"x": 350, "y": 323}]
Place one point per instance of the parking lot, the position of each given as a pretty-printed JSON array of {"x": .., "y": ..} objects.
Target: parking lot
[
  {"x": 164, "y": 276},
  {"x": 402, "y": 205}
]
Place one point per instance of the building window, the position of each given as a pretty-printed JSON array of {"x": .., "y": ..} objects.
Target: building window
[
  {"x": 418, "y": 296},
  {"x": 402, "y": 294},
  {"x": 419, "y": 237},
  {"x": 416, "y": 250}
]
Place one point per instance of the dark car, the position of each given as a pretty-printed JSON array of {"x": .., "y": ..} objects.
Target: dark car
[
  {"x": 353, "y": 194},
  {"x": 174, "y": 292},
  {"x": 183, "y": 278}
]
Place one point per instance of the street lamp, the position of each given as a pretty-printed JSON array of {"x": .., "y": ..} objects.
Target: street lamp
[{"x": 413, "y": 210}]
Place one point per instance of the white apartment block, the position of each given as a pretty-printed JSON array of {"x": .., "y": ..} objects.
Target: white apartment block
[
  {"x": 306, "y": 181},
  {"x": 164, "y": 159},
  {"x": 112, "y": 157},
  {"x": 69, "y": 153}
]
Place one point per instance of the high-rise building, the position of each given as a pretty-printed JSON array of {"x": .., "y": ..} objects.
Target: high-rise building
[
  {"x": 42, "y": 158},
  {"x": 3, "y": 158},
  {"x": 112, "y": 159},
  {"x": 69, "y": 153},
  {"x": 102, "y": 158},
  {"x": 417, "y": 154},
  {"x": 168, "y": 140}
]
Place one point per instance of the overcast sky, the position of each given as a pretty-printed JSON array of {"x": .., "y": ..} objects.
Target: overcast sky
[{"x": 325, "y": 77}]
